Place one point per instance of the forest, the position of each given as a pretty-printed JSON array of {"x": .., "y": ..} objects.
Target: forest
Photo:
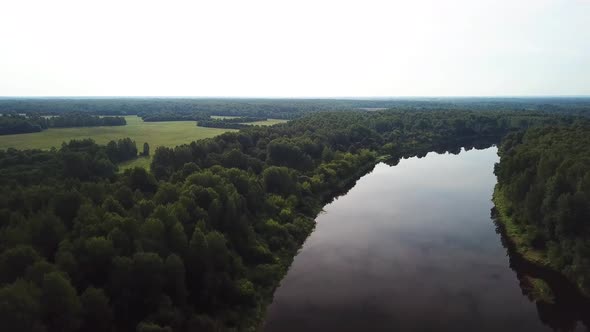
[
  {"x": 193, "y": 108},
  {"x": 200, "y": 242},
  {"x": 13, "y": 123},
  {"x": 36, "y": 114},
  {"x": 543, "y": 190}
]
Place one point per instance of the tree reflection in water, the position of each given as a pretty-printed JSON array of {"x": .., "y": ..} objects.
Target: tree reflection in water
[{"x": 570, "y": 311}]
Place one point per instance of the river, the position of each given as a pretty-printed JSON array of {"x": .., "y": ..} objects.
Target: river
[{"x": 410, "y": 247}]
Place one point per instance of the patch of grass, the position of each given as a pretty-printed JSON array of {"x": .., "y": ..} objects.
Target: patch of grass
[
  {"x": 268, "y": 122},
  {"x": 166, "y": 133},
  {"x": 515, "y": 233},
  {"x": 143, "y": 162},
  {"x": 169, "y": 133},
  {"x": 539, "y": 290},
  {"x": 223, "y": 117}
]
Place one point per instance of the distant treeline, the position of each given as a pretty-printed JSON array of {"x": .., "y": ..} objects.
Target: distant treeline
[
  {"x": 229, "y": 123},
  {"x": 157, "y": 116},
  {"x": 19, "y": 124},
  {"x": 166, "y": 109},
  {"x": 84, "y": 120},
  {"x": 201, "y": 109}
]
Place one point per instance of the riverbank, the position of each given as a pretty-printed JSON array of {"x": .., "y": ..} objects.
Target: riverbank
[
  {"x": 515, "y": 233},
  {"x": 535, "y": 259},
  {"x": 323, "y": 198}
]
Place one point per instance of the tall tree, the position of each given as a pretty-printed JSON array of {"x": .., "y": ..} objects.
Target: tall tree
[{"x": 146, "y": 149}]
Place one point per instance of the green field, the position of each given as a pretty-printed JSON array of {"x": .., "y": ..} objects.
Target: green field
[
  {"x": 268, "y": 122},
  {"x": 220, "y": 117},
  {"x": 168, "y": 133}
]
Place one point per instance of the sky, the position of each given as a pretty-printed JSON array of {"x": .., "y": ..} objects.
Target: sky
[{"x": 318, "y": 48}]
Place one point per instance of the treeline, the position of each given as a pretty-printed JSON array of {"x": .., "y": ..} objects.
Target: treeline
[
  {"x": 84, "y": 120},
  {"x": 229, "y": 123},
  {"x": 190, "y": 108},
  {"x": 19, "y": 124},
  {"x": 201, "y": 241},
  {"x": 219, "y": 123},
  {"x": 241, "y": 119},
  {"x": 544, "y": 190},
  {"x": 80, "y": 159},
  {"x": 156, "y": 116}
]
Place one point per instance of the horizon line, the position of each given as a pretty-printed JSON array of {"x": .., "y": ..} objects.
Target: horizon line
[{"x": 291, "y": 97}]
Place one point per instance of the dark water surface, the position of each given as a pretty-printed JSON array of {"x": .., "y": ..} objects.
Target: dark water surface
[{"x": 409, "y": 248}]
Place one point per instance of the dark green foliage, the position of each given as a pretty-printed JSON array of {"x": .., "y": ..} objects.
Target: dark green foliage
[
  {"x": 140, "y": 179},
  {"x": 15, "y": 261},
  {"x": 80, "y": 119},
  {"x": 97, "y": 314},
  {"x": 20, "y": 310},
  {"x": 60, "y": 304},
  {"x": 279, "y": 180},
  {"x": 229, "y": 123},
  {"x": 121, "y": 150},
  {"x": 217, "y": 123},
  {"x": 544, "y": 175},
  {"x": 146, "y": 149},
  {"x": 19, "y": 124},
  {"x": 201, "y": 241}
]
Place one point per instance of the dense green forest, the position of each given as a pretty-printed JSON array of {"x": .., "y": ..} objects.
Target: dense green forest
[
  {"x": 71, "y": 110},
  {"x": 20, "y": 124},
  {"x": 200, "y": 242},
  {"x": 543, "y": 193},
  {"x": 279, "y": 108}
]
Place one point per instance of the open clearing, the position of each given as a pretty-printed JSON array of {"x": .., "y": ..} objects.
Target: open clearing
[
  {"x": 168, "y": 133},
  {"x": 165, "y": 133},
  {"x": 268, "y": 122}
]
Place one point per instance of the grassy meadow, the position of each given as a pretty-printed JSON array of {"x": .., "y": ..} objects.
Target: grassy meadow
[
  {"x": 167, "y": 133},
  {"x": 268, "y": 122}
]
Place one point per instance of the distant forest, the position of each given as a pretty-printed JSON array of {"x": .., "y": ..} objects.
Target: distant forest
[
  {"x": 280, "y": 108},
  {"x": 33, "y": 114},
  {"x": 200, "y": 242},
  {"x": 13, "y": 123}
]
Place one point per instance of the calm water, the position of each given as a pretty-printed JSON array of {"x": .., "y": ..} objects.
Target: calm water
[{"x": 409, "y": 248}]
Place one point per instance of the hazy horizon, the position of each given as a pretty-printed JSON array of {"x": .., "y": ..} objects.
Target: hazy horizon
[{"x": 306, "y": 97}]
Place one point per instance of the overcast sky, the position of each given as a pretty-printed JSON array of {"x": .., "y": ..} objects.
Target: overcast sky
[{"x": 294, "y": 48}]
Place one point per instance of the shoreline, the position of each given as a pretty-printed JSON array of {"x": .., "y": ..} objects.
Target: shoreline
[
  {"x": 325, "y": 198},
  {"x": 533, "y": 264}
]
